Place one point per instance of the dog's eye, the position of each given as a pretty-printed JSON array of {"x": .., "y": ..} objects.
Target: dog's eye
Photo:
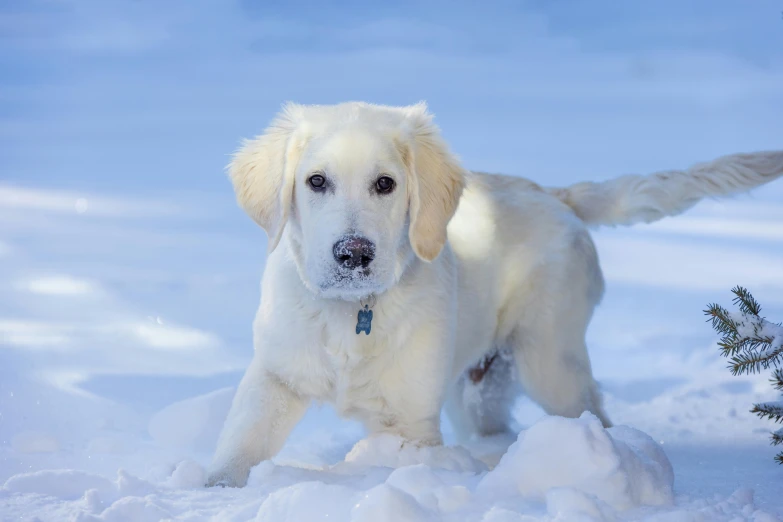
[
  {"x": 317, "y": 182},
  {"x": 384, "y": 184}
]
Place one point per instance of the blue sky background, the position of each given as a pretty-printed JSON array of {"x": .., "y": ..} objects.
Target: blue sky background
[
  {"x": 128, "y": 273},
  {"x": 152, "y": 95}
]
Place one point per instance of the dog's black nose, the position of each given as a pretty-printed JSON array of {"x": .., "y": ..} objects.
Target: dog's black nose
[{"x": 354, "y": 251}]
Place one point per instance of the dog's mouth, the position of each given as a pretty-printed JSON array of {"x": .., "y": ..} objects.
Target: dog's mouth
[
  {"x": 349, "y": 284},
  {"x": 338, "y": 278}
]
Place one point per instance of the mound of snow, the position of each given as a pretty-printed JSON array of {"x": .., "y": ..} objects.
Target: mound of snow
[
  {"x": 193, "y": 424},
  {"x": 309, "y": 501},
  {"x": 621, "y": 467},
  {"x": 62, "y": 484},
  {"x": 71, "y": 485},
  {"x": 128, "y": 509},
  {"x": 394, "y": 452}
]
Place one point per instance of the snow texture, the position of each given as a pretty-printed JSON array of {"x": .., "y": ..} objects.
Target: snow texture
[
  {"x": 750, "y": 326},
  {"x": 391, "y": 451},
  {"x": 557, "y": 470}
]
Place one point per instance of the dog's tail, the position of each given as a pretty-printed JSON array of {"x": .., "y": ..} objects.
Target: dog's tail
[{"x": 642, "y": 199}]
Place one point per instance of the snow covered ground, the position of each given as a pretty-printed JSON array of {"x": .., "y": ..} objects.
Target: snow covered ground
[{"x": 125, "y": 324}]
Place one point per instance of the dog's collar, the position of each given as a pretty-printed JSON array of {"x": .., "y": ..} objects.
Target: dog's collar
[
  {"x": 364, "y": 318},
  {"x": 368, "y": 301}
]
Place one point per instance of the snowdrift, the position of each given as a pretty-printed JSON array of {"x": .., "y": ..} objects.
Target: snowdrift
[{"x": 558, "y": 470}]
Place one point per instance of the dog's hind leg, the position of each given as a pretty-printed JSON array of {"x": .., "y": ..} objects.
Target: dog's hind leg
[
  {"x": 479, "y": 403},
  {"x": 556, "y": 374},
  {"x": 547, "y": 332}
]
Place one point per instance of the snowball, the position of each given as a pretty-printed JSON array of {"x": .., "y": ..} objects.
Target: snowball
[
  {"x": 386, "y": 503},
  {"x": 308, "y": 501},
  {"x": 620, "y": 466},
  {"x": 35, "y": 442},
  {"x": 394, "y": 452},
  {"x": 193, "y": 424},
  {"x": 188, "y": 475}
]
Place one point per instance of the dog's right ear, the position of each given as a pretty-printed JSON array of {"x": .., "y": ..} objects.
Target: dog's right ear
[
  {"x": 436, "y": 182},
  {"x": 263, "y": 169}
]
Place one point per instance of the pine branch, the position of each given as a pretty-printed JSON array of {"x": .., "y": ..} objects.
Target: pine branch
[
  {"x": 769, "y": 410},
  {"x": 777, "y": 379},
  {"x": 752, "y": 344},
  {"x": 721, "y": 319},
  {"x": 777, "y": 437},
  {"x": 747, "y": 304},
  {"x": 754, "y": 361},
  {"x": 723, "y": 324}
]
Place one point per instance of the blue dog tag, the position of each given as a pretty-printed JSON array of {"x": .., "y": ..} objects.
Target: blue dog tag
[{"x": 364, "y": 321}]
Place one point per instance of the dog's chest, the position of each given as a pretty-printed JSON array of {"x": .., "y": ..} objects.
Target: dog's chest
[
  {"x": 352, "y": 365},
  {"x": 356, "y": 364}
]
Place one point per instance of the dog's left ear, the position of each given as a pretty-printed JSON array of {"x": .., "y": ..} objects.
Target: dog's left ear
[{"x": 435, "y": 184}]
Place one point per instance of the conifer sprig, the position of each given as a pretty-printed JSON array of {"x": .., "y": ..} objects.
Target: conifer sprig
[
  {"x": 769, "y": 410},
  {"x": 747, "y": 304},
  {"x": 777, "y": 379},
  {"x": 777, "y": 438},
  {"x": 752, "y": 344}
]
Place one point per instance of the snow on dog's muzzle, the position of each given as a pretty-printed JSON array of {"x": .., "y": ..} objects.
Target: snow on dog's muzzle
[{"x": 352, "y": 252}]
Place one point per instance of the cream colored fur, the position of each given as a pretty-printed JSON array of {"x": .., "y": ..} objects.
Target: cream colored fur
[{"x": 512, "y": 269}]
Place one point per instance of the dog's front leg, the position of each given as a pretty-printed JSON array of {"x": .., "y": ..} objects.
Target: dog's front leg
[
  {"x": 262, "y": 415},
  {"x": 414, "y": 386}
]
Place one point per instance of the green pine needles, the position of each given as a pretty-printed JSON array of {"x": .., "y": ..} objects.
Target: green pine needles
[{"x": 752, "y": 345}]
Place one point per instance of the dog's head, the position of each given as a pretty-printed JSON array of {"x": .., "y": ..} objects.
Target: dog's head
[{"x": 359, "y": 190}]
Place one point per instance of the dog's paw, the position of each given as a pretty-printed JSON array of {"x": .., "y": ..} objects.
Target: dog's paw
[
  {"x": 224, "y": 479},
  {"x": 222, "y": 483}
]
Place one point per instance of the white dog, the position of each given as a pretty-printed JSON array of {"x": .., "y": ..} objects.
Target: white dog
[{"x": 394, "y": 276}]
